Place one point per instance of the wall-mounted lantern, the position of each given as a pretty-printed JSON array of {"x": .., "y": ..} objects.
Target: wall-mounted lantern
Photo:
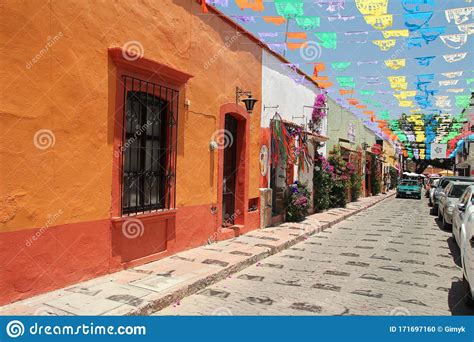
[{"x": 249, "y": 101}]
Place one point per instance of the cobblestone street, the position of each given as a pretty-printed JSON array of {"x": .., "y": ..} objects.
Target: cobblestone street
[{"x": 392, "y": 259}]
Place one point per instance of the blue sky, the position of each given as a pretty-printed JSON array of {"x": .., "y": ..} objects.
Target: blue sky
[{"x": 348, "y": 51}]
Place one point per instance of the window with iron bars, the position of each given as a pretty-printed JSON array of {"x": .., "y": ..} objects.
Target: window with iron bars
[{"x": 148, "y": 147}]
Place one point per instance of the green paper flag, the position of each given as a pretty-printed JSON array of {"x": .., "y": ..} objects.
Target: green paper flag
[
  {"x": 289, "y": 8},
  {"x": 340, "y": 66},
  {"x": 328, "y": 39},
  {"x": 308, "y": 22},
  {"x": 367, "y": 92}
]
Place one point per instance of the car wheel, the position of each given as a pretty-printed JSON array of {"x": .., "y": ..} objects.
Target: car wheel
[
  {"x": 467, "y": 291},
  {"x": 446, "y": 225}
]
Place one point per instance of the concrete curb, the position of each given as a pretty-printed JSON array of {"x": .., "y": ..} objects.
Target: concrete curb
[{"x": 194, "y": 286}]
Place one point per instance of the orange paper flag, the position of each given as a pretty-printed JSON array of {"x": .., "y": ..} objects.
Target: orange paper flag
[
  {"x": 294, "y": 46},
  {"x": 325, "y": 85},
  {"x": 296, "y": 35},
  {"x": 321, "y": 78},
  {"x": 318, "y": 67},
  {"x": 255, "y": 5},
  {"x": 368, "y": 112},
  {"x": 274, "y": 20},
  {"x": 361, "y": 106},
  {"x": 346, "y": 91}
]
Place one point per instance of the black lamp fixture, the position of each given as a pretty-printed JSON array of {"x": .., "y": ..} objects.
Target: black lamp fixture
[{"x": 249, "y": 101}]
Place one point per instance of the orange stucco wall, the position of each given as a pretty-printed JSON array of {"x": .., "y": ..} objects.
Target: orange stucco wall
[{"x": 57, "y": 75}]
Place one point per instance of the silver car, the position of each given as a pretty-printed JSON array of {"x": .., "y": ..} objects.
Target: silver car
[
  {"x": 432, "y": 190},
  {"x": 448, "y": 199},
  {"x": 462, "y": 212},
  {"x": 442, "y": 184}
]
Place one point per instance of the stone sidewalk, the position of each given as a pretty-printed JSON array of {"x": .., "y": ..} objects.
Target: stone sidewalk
[{"x": 148, "y": 288}]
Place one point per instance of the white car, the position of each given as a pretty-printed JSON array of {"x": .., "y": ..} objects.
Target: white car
[
  {"x": 433, "y": 187},
  {"x": 448, "y": 200},
  {"x": 467, "y": 258},
  {"x": 462, "y": 211}
]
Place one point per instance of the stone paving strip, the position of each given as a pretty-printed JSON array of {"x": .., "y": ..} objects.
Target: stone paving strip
[{"x": 151, "y": 287}]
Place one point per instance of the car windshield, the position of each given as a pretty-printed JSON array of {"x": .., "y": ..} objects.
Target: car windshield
[
  {"x": 457, "y": 190},
  {"x": 436, "y": 182},
  {"x": 408, "y": 182}
]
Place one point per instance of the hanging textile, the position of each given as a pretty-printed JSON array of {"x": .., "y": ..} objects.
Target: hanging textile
[
  {"x": 395, "y": 33},
  {"x": 415, "y": 42},
  {"x": 458, "y": 39},
  {"x": 430, "y": 34},
  {"x": 357, "y": 34},
  {"x": 395, "y": 64},
  {"x": 254, "y": 5},
  {"x": 372, "y": 7},
  {"x": 333, "y": 5},
  {"x": 467, "y": 28},
  {"x": 279, "y": 48},
  {"x": 379, "y": 22},
  {"x": 424, "y": 61},
  {"x": 399, "y": 86},
  {"x": 308, "y": 22},
  {"x": 296, "y": 35},
  {"x": 396, "y": 79},
  {"x": 361, "y": 106},
  {"x": 289, "y": 9},
  {"x": 417, "y": 4},
  {"x": 415, "y": 21},
  {"x": 367, "y": 92},
  {"x": 294, "y": 46},
  {"x": 274, "y": 20},
  {"x": 445, "y": 83},
  {"x": 455, "y": 90},
  {"x": 368, "y": 112},
  {"x": 469, "y": 80},
  {"x": 328, "y": 39},
  {"x": 459, "y": 15},
  {"x": 340, "y": 66},
  {"x": 385, "y": 44}
]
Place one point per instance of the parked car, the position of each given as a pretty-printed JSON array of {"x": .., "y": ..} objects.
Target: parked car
[
  {"x": 462, "y": 212},
  {"x": 467, "y": 258},
  {"x": 448, "y": 200},
  {"x": 431, "y": 191},
  {"x": 442, "y": 184},
  {"x": 429, "y": 184},
  {"x": 409, "y": 188}
]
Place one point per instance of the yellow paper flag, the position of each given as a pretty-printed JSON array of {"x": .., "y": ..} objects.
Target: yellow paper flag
[
  {"x": 385, "y": 44},
  {"x": 395, "y": 33},
  {"x": 405, "y": 103},
  {"x": 373, "y": 7},
  {"x": 379, "y": 22},
  {"x": 395, "y": 64}
]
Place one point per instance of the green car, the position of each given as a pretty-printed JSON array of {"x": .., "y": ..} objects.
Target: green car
[{"x": 409, "y": 188}]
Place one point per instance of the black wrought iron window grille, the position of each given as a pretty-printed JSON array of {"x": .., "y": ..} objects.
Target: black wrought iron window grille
[{"x": 148, "y": 149}]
